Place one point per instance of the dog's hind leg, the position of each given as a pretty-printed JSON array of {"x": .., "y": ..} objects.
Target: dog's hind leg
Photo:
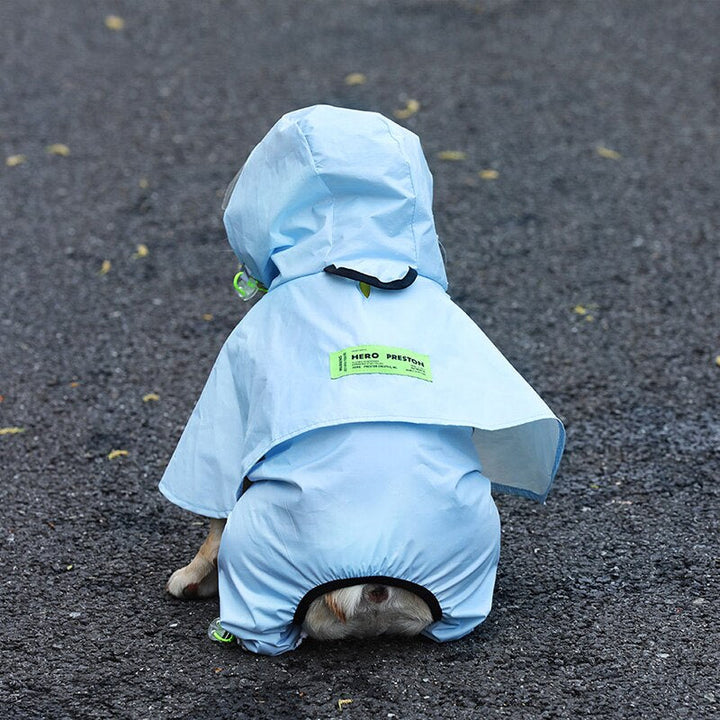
[{"x": 199, "y": 579}]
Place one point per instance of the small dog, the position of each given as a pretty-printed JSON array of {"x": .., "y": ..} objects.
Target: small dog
[{"x": 380, "y": 413}]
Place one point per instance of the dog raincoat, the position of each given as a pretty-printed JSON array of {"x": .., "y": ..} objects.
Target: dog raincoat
[{"x": 355, "y": 418}]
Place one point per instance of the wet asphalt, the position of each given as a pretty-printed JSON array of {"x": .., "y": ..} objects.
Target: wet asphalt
[{"x": 581, "y": 227}]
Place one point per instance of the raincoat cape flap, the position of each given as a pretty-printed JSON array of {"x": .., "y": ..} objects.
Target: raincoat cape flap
[{"x": 272, "y": 382}]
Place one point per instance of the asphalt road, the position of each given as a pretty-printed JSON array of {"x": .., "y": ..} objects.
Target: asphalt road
[{"x": 592, "y": 259}]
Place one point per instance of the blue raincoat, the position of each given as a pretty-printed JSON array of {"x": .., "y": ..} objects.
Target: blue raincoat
[{"x": 355, "y": 418}]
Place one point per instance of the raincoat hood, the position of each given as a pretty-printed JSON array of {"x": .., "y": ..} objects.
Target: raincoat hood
[{"x": 335, "y": 187}]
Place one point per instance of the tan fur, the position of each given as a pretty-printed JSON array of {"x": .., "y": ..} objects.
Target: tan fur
[
  {"x": 198, "y": 579},
  {"x": 335, "y": 608}
]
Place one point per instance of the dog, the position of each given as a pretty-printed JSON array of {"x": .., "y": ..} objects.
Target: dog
[{"x": 346, "y": 442}]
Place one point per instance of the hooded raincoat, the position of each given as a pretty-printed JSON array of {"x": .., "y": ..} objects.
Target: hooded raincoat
[{"x": 368, "y": 412}]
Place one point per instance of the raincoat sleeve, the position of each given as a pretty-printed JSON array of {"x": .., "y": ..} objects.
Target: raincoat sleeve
[{"x": 204, "y": 474}]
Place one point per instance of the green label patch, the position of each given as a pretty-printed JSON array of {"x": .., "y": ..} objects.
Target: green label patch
[{"x": 374, "y": 359}]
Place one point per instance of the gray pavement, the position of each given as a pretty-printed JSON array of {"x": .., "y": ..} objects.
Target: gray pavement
[{"x": 592, "y": 259}]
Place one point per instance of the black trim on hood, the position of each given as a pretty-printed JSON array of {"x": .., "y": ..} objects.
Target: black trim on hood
[
  {"x": 399, "y": 284},
  {"x": 419, "y": 590}
]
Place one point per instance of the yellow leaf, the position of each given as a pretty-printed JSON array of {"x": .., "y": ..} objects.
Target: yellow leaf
[
  {"x": 207, "y": 317},
  {"x": 151, "y": 397},
  {"x": 15, "y": 160},
  {"x": 58, "y": 149},
  {"x": 451, "y": 155},
  {"x": 11, "y": 430},
  {"x": 343, "y": 702},
  {"x": 114, "y": 22},
  {"x": 144, "y": 183},
  {"x": 69, "y": 567},
  {"x": 409, "y": 110},
  {"x": 105, "y": 267},
  {"x": 580, "y": 310},
  {"x": 489, "y": 174},
  {"x": 607, "y": 153},
  {"x": 717, "y": 360},
  {"x": 117, "y": 453},
  {"x": 74, "y": 384},
  {"x": 142, "y": 251},
  {"x": 355, "y": 79}
]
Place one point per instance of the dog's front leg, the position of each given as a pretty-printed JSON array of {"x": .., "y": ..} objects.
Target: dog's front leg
[{"x": 199, "y": 579}]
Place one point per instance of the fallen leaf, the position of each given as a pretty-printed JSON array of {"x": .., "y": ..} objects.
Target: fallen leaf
[
  {"x": 409, "y": 110},
  {"x": 489, "y": 174},
  {"x": 142, "y": 251},
  {"x": 58, "y": 149},
  {"x": 114, "y": 22},
  {"x": 607, "y": 153},
  {"x": 151, "y": 397},
  {"x": 74, "y": 384},
  {"x": 451, "y": 155},
  {"x": 717, "y": 360},
  {"x": 365, "y": 289},
  {"x": 217, "y": 670},
  {"x": 117, "y": 453},
  {"x": 207, "y": 317},
  {"x": 69, "y": 567},
  {"x": 343, "y": 702},
  {"x": 355, "y": 79},
  {"x": 580, "y": 310},
  {"x": 105, "y": 267},
  {"x": 144, "y": 183},
  {"x": 11, "y": 430},
  {"x": 14, "y": 160}
]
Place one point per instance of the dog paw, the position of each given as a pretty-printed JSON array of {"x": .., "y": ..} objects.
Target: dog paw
[{"x": 196, "y": 580}]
